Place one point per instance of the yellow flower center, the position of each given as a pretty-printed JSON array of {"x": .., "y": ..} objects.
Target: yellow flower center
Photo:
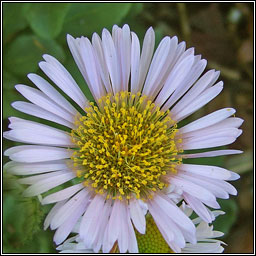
[{"x": 125, "y": 146}]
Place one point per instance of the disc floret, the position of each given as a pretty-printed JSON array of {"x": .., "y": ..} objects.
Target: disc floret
[{"x": 125, "y": 146}]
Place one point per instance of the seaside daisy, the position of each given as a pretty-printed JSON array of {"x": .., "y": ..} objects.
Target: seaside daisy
[{"x": 121, "y": 155}]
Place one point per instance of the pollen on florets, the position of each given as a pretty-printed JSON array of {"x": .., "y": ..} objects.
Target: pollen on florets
[{"x": 125, "y": 146}]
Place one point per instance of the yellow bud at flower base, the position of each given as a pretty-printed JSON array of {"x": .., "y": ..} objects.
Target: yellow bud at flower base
[
  {"x": 152, "y": 241},
  {"x": 122, "y": 151}
]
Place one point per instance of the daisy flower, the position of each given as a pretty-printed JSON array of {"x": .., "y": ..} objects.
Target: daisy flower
[
  {"x": 153, "y": 242},
  {"x": 123, "y": 153}
]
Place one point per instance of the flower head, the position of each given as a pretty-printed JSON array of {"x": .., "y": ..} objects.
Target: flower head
[{"x": 123, "y": 153}]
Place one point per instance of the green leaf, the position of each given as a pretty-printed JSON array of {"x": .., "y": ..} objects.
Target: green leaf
[
  {"x": 241, "y": 163},
  {"x": 224, "y": 222},
  {"x": 10, "y": 96},
  {"x": 135, "y": 10},
  {"x": 23, "y": 55},
  {"x": 19, "y": 228},
  {"x": 13, "y": 20},
  {"x": 86, "y": 18},
  {"x": 22, "y": 221},
  {"x": 9, "y": 80},
  {"x": 46, "y": 19}
]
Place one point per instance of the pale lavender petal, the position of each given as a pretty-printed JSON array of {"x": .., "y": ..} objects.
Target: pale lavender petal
[
  {"x": 88, "y": 57},
  {"x": 62, "y": 194},
  {"x": 146, "y": 55},
  {"x": 208, "y": 120},
  {"x": 202, "y": 100},
  {"x": 52, "y": 93},
  {"x": 137, "y": 216},
  {"x": 37, "y": 111},
  {"x": 212, "y": 153},
  {"x": 205, "y": 182},
  {"x": 34, "y": 168},
  {"x": 125, "y": 54},
  {"x": 135, "y": 63},
  {"x": 31, "y": 154},
  {"x": 132, "y": 246},
  {"x": 35, "y": 178},
  {"x": 113, "y": 227},
  {"x": 52, "y": 213},
  {"x": 91, "y": 220},
  {"x": 110, "y": 54},
  {"x": 194, "y": 190},
  {"x": 61, "y": 77},
  {"x": 175, "y": 79},
  {"x": 101, "y": 63},
  {"x": 49, "y": 183},
  {"x": 43, "y": 101},
  {"x": 35, "y": 133},
  {"x": 65, "y": 229},
  {"x": 67, "y": 210},
  {"x": 214, "y": 172}
]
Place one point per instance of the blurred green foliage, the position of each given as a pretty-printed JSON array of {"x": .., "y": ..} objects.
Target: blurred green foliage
[{"x": 221, "y": 32}]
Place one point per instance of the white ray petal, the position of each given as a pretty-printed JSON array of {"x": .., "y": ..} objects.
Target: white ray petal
[
  {"x": 135, "y": 63},
  {"x": 61, "y": 77},
  {"x": 202, "y": 100},
  {"x": 43, "y": 101},
  {"x": 195, "y": 91},
  {"x": 197, "y": 191},
  {"x": 47, "y": 184},
  {"x": 102, "y": 226},
  {"x": 137, "y": 216},
  {"x": 208, "y": 141},
  {"x": 52, "y": 213},
  {"x": 124, "y": 231},
  {"x": 132, "y": 246},
  {"x": 62, "y": 194},
  {"x": 193, "y": 74},
  {"x": 90, "y": 64},
  {"x": 229, "y": 123},
  {"x": 208, "y": 120},
  {"x": 74, "y": 46},
  {"x": 214, "y": 172},
  {"x": 157, "y": 64},
  {"x": 67, "y": 210},
  {"x": 91, "y": 220},
  {"x": 65, "y": 229},
  {"x": 101, "y": 63},
  {"x": 30, "y": 153},
  {"x": 52, "y": 93},
  {"x": 125, "y": 54},
  {"x": 113, "y": 227},
  {"x": 198, "y": 207},
  {"x": 35, "y": 178},
  {"x": 175, "y": 79},
  {"x": 146, "y": 55},
  {"x": 174, "y": 213},
  {"x": 37, "y": 111},
  {"x": 110, "y": 54},
  {"x": 211, "y": 153},
  {"x": 36, "y": 133},
  {"x": 206, "y": 182},
  {"x": 34, "y": 168}
]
